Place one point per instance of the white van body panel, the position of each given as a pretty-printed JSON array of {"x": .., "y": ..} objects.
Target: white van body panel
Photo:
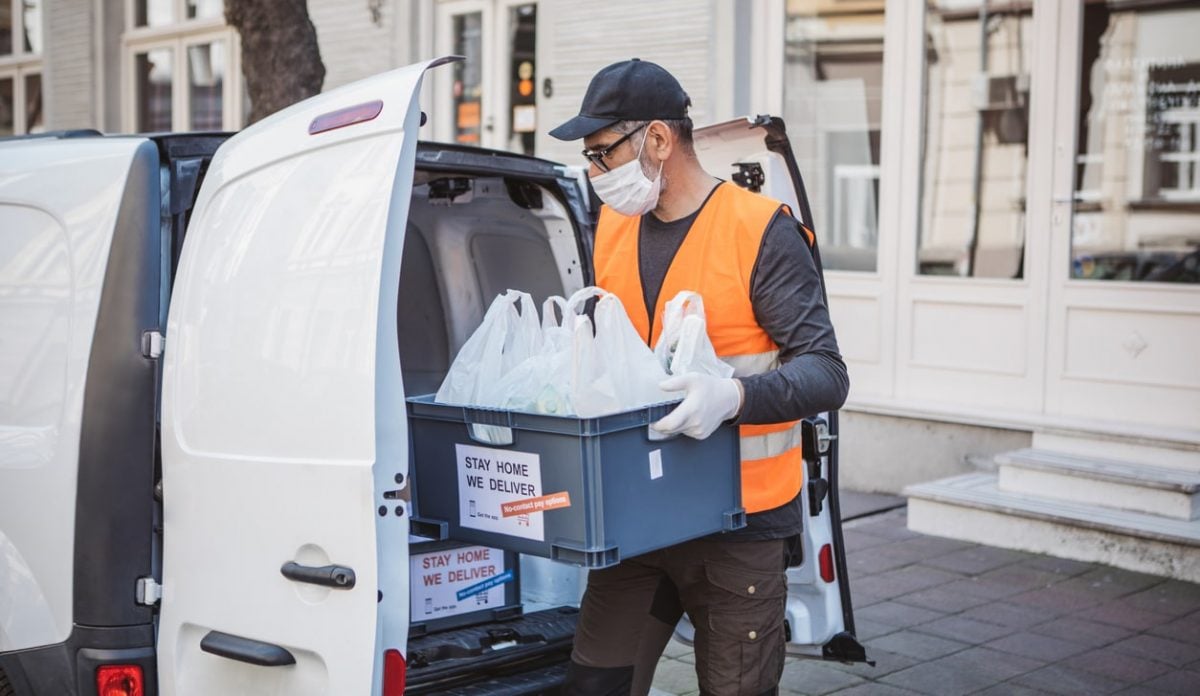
[
  {"x": 55, "y": 234},
  {"x": 283, "y": 413}
]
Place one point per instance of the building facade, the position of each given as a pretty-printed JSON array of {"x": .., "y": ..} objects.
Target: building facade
[{"x": 1007, "y": 195}]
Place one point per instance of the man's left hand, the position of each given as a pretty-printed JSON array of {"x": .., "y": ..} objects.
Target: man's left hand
[{"x": 708, "y": 402}]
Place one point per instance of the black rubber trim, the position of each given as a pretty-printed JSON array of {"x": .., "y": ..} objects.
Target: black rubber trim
[
  {"x": 253, "y": 652},
  {"x": 69, "y": 668},
  {"x": 114, "y": 505}
]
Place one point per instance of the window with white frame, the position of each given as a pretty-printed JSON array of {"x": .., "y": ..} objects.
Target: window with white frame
[
  {"x": 182, "y": 67},
  {"x": 21, "y": 67}
]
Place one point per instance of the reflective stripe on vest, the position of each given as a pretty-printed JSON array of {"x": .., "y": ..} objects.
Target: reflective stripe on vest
[{"x": 717, "y": 260}]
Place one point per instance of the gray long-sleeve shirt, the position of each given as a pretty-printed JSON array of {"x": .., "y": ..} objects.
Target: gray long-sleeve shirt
[{"x": 785, "y": 292}]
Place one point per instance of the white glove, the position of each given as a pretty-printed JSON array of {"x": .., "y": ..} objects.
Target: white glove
[{"x": 709, "y": 402}]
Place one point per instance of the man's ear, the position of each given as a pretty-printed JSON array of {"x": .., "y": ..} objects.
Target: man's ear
[{"x": 660, "y": 140}]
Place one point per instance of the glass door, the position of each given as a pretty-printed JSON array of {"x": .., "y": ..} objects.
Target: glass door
[
  {"x": 489, "y": 99},
  {"x": 1125, "y": 278}
]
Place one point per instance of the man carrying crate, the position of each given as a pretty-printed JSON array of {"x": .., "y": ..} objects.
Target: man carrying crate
[{"x": 666, "y": 226}]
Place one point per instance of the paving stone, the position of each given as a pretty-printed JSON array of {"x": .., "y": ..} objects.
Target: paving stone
[
  {"x": 894, "y": 583},
  {"x": 865, "y": 629},
  {"x": 857, "y": 540},
  {"x": 1057, "y": 599},
  {"x": 1082, "y": 631},
  {"x": 1057, "y": 679},
  {"x": 1122, "y": 614},
  {"x": 932, "y": 678},
  {"x": 675, "y": 677},
  {"x": 892, "y": 527},
  {"x": 875, "y": 689},
  {"x": 1182, "y": 682},
  {"x": 896, "y": 614},
  {"x": 1005, "y": 614},
  {"x": 1059, "y": 566},
  {"x": 965, "y": 630},
  {"x": 976, "y": 560},
  {"x": 812, "y": 677},
  {"x": 1036, "y": 646},
  {"x": 1172, "y": 597},
  {"x": 1019, "y": 578},
  {"x": 1108, "y": 662},
  {"x": 1186, "y": 629},
  {"x": 879, "y": 559},
  {"x": 943, "y": 598},
  {"x": 885, "y": 663},
  {"x": 930, "y": 547},
  {"x": 1011, "y": 689},
  {"x": 917, "y": 645},
  {"x": 1140, "y": 690},
  {"x": 1165, "y": 650},
  {"x": 963, "y": 672},
  {"x": 1116, "y": 582}
]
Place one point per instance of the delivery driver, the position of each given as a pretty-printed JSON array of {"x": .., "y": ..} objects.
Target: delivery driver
[{"x": 667, "y": 225}]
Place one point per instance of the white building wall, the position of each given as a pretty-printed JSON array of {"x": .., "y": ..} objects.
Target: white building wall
[
  {"x": 579, "y": 37},
  {"x": 357, "y": 39},
  {"x": 68, "y": 64}
]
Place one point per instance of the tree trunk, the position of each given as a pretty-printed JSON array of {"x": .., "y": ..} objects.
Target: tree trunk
[{"x": 280, "y": 57}]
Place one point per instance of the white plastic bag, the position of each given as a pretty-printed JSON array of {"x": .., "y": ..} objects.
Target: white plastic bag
[
  {"x": 684, "y": 346},
  {"x": 614, "y": 370},
  {"x": 505, "y": 338}
]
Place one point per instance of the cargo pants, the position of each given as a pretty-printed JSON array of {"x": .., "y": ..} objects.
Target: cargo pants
[{"x": 734, "y": 592}]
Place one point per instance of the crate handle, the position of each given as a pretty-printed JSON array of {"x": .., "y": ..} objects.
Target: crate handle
[
  {"x": 655, "y": 413},
  {"x": 494, "y": 435},
  {"x": 438, "y": 530}
]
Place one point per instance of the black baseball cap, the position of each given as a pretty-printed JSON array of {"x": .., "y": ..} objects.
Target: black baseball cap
[{"x": 632, "y": 90}]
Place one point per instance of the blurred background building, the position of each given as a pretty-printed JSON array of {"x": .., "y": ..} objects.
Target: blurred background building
[{"x": 1007, "y": 195}]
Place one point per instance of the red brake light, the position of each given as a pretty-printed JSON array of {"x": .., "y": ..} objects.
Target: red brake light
[
  {"x": 119, "y": 680},
  {"x": 393, "y": 673},
  {"x": 826, "y": 557},
  {"x": 359, "y": 113}
]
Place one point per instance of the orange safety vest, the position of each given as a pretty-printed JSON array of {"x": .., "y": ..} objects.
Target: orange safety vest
[{"x": 716, "y": 260}]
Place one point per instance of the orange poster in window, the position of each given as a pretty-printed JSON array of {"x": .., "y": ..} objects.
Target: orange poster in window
[{"x": 468, "y": 115}]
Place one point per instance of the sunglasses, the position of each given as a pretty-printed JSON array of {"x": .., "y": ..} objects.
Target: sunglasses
[{"x": 597, "y": 157}]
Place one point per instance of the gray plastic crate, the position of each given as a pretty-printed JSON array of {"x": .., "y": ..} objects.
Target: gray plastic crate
[{"x": 627, "y": 494}]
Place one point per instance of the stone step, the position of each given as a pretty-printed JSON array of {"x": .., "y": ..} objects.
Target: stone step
[
  {"x": 974, "y": 508},
  {"x": 1154, "y": 490}
]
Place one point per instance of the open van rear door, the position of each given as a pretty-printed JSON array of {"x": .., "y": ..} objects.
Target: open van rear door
[
  {"x": 755, "y": 154},
  {"x": 284, "y": 438}
]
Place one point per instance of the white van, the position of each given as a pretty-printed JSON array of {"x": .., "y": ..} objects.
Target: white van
[{"x": 214, "y": 499}]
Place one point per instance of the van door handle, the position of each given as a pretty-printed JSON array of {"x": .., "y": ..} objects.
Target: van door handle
[
  {"x": 335, "y": 576},
  {"x": 254, "y": 652}
]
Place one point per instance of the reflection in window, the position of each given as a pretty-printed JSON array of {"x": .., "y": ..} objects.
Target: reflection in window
[
  {"x": 32, "y": 18},
  {"x": 833, "y": 79},
  {"x": 522, "y": 24},
  {"x": 468, "y": 87},
  {"x": 973, "y": 168},
  {"x": 34, "y": 118},
  {"x": 6, "y": 28},
  {"x": 152, "y": 13},
  {"x": 1137, "y": 166},
  {"x": 153, "y": 90},
  {"x": 205, "y": 9},
  {"x": 206, "y": 80},
  {"x": 8, "y": 110}
]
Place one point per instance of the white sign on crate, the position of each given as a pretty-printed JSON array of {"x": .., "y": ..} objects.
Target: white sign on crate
[
  {"x": 488, "y": 479},
  {"x": 457, "y": 581}
]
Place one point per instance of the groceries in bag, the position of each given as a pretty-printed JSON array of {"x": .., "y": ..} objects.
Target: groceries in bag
[{"x": 576, "y": 365}]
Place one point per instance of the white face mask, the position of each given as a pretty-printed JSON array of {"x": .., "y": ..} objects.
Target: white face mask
[{"x": 626, "y": 189}]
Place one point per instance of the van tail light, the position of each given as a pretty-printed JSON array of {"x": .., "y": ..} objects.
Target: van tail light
[
  {"x": 119, "y": 680},
  {"x": 393, "y": 673},
  {"x": 826, "y": 557}
]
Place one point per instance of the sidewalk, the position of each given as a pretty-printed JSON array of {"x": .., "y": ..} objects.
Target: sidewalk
[{"x": 948, "y": 617}]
